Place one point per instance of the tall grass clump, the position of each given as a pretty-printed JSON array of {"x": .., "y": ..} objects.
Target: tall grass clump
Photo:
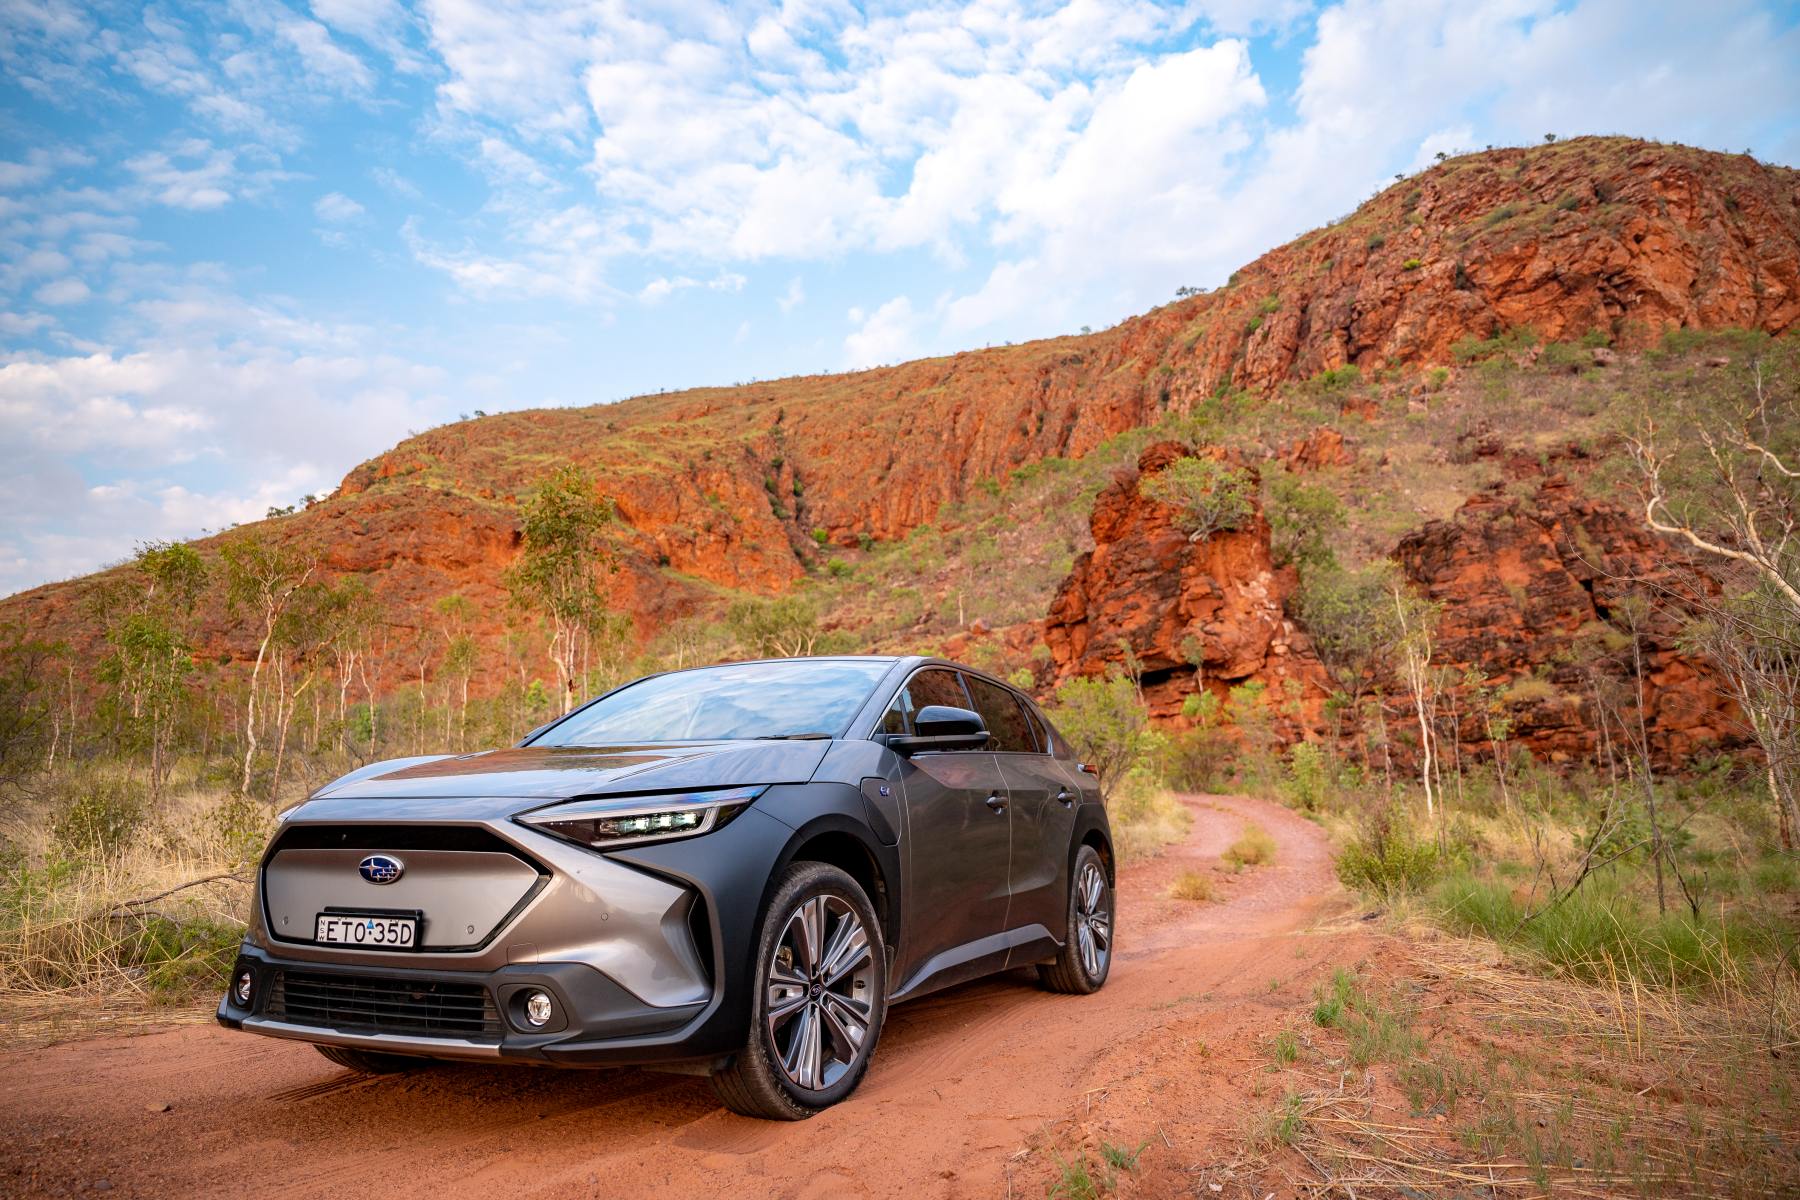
[{"x": 1603, "y": 930}]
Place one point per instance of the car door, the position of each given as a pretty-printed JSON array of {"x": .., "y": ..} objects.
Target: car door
[
  {"x": 1042, "y": 804},
  {"x": 956, "y": 845}
]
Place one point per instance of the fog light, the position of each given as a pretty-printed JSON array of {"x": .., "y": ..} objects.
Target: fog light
[
  {"x": 241, "y": 989},
  {"x": 538, "y": 1008}
]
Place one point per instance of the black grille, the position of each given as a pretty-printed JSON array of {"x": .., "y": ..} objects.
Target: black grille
[{"x": 371, "y": 1004}]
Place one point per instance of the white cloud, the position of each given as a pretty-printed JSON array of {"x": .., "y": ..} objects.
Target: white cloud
[
  {"x": 889, "y": 334},
  {"x": 795, "y": 295},
  {"x": 68, "y": 290},
  {"x": 335, "y": 208},
  {"x": 204, "y": 185}
]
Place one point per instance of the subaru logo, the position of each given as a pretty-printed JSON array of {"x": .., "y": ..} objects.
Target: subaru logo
[{"x": 381, "y": 868}]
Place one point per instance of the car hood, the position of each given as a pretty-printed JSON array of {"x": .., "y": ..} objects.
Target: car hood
[{"x": 545, "y": 774}]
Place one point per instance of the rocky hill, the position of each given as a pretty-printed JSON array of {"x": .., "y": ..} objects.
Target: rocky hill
[{"x": 754, "y": 489}]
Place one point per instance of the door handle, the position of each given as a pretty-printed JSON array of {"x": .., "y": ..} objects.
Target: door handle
[
  {"x": 1066, "y": 796},
  {"x": 997, "y": 802}
]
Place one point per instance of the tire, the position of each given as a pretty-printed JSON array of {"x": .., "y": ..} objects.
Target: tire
[
  {"x": 1086, "y": 956},
  {"x": 369, "y": 1062},
  {"x": 803, "y": 1053}
]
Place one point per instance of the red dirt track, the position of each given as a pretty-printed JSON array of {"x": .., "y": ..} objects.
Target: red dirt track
[{"x": 963, "y": 1083}]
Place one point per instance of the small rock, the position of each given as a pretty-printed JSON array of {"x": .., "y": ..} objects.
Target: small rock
[
  {"x": 1604, "y": 357},
  {"x": 103, "y": 1185},
  {"x": 1718, "y": 360},
  {"x": 158, "y": 1106}
]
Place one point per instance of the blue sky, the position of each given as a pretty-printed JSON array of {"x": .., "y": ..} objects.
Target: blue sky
[{"x": 246, "y": 245}]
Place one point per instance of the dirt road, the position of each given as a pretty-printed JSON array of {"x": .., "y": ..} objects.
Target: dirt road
[{"x": 973, "y": 1093}]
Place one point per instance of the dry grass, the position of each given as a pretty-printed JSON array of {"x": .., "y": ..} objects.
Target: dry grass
[
  {"x": 1509, "y": 1083},
  {"x": 110, "y": 930},
  {"x": 1146, "y": 817},
  {"x": 1253, "y": 848},
  {"x": 1192, "y": 885}
]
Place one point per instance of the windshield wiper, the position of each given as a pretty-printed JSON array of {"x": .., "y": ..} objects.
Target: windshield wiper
[{"x": 791, "y": 737}]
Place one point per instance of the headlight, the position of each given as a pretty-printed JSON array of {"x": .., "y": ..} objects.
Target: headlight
[{"x": 609, "y": 821}]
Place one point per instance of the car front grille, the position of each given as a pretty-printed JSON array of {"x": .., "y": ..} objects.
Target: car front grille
[{"x": 372, "y": 1004}]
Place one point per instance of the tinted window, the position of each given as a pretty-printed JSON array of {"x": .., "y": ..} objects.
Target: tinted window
[
  {"x": 1005, "y": 718},
  {"x": 933, "y": 686},
  {"x": 737, "y": 700}
]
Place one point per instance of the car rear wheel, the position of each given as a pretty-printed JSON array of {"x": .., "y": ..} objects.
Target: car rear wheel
[
  {"x": 819, "y": 1001},
  {"x": 368, "y": 1062},
  {"x": 1086, "y": 955}
]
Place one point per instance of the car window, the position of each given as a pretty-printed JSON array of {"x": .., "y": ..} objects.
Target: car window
[
  {"x": 805, "y": 697},
  {"x": 1004, "y": 715},
  {"x": 930, "y": 686},
  {"x": 1038, "y": 733}
]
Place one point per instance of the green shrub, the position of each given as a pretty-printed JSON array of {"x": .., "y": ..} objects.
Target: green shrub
[
  {"x": 1306, "y": 781},
  {"x": 821, "y": 536},
  {"x": 100, "y": 820},
  {"x": 1412, "y": 264},
  {"x": 1213, "y": 496},
  {"x": 1376, "y": 241},
  {"x": 1384, "y": 858}
]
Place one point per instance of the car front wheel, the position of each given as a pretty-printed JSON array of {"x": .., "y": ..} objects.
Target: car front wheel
[
  {"x": 820, "y": 998},
  {"x": 1086, "y": 954}
]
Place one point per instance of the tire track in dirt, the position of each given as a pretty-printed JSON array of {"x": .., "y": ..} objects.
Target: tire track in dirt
[{"x": 961, "y": 1079}]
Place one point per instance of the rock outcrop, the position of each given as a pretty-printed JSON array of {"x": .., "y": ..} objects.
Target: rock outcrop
[
  {"x": 1173, "y": 605},
  {"x": 1541, "y": 596}
]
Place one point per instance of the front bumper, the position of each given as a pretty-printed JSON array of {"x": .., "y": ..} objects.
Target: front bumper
[{"x": 594, "y": 1021}]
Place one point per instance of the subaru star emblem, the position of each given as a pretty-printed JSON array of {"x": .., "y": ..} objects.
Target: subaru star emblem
[{"x": 381, "y": 868}]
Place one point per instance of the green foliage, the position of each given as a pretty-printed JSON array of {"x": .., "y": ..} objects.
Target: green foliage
[
  {"x": 1512, "y": 341},
  {"x": 1350, "y": 614},
  {"x": 1306, "y": 783},
  {"x": 101, "y": 820},
  {"x": 1074, "y": 1180},
  {"x": 1412, "y": 264},
  {"x": 563, "y": 524},
  {"x": 27, "y": 680},
  {"x": 1385, "y": 858},
  {"x": 821, "y": 536},
  {"x": 779, "y": 627},
  {"x": 1376, "y": 241},
  {"x": 1603, "y": 930},
  {"x": 1212, "y": 496},
  {"x": 1107, "y": 724},
  {"x": 1304, "y": 519}
]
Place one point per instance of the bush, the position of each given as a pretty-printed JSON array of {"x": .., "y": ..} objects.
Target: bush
[
  {"x": 1305, "y": 784},
  {"x": 1412, "y": 264},
  {"x": 1254, "y": 848},
  {"x": 1384, "y": 858},
  {"x": 1192, "y": 885},
  {"x": 1107, "y": 724},
  {"x": 101, "y": 820},
  {"x": 1302, "y": 519}
]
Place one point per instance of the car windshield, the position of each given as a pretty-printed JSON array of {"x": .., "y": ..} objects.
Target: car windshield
[{"x": 798, "y": 698}]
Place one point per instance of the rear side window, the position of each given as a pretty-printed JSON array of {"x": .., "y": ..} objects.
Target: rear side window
[
  {"x": 1004, "y": 715},
  {"x": 933, "y": 686}
]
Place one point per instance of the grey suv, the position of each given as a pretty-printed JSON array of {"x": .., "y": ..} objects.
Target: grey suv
[{"x": 731, "y": 871}]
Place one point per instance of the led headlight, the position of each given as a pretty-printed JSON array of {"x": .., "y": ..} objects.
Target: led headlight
[{"x": 609, "y": 821}]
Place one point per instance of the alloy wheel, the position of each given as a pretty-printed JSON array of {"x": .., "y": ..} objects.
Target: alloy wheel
[
  {"x": 821, "y": 981},
  {"x": 1093, "y": 920}
]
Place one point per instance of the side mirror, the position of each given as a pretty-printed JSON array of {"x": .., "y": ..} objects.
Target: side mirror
[{"x": 941, "y": 727}]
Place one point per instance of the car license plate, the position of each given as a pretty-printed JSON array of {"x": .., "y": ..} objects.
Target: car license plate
[{"x": 371, "y": 932}]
